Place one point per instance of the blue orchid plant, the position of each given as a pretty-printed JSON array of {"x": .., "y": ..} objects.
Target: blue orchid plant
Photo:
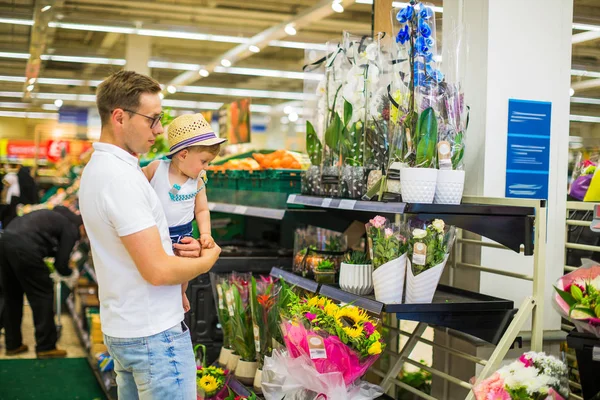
[{"x": 415, "y": 87}]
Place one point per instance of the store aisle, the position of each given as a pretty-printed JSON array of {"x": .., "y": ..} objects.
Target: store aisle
[{"x": 68, "y": 341}]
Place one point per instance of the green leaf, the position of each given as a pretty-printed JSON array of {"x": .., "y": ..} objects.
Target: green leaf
[
  {"x": 314, "y": 148},
  {"x": 566, "y": 296},
  {"x": 576, "y": 293},
  {"x": 459, "y": 150},
  {"x": 427, "y": 138},
  {"x": 347, "y": 112},
  {"x": 333, "y": 133}
]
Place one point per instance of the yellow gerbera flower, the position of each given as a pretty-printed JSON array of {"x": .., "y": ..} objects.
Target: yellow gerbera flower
[
  {"x": 317, "y": 301},
  {"x": 209, "y": 384},
  {"x": 375, "y": 348},
  {"x": 353, "y": 333}
]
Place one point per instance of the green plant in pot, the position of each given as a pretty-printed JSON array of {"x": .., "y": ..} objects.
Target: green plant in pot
[
  {"x": 325, "y": 271},
  {"x": 356, "y": 273}
]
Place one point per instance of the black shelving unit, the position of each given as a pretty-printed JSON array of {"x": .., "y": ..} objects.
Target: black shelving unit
[
  {"x": 587, "y": 349},
  {"x": 511, "y": 226}
]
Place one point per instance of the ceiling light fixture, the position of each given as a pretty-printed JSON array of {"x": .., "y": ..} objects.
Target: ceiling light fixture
[
  {"x": 254, "y": 48},
  {"x": 46, "y": 8},
  {"x": 32, "y": 81},
  {"x": 584, "y": 118},
  {"x": 290, "y": 29},
  {"x": 161, "y": 95},
  {"x": 226, "y": 63},
  {"x": 288, "y": 109},
  {"x": 571, "y": 92},
  {"x": 293, "y": 117},
  {"x": 337, "y": 6},
  {"x": 30, "y": 88},
  {"x": 58, "y": 103},
  {"x": 171, "y": 89},
  {"x": 204, "y": 73}
]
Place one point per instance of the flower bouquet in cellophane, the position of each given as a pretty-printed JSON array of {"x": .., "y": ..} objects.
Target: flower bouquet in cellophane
[
  {"x": 534, "y": 376},
  {"x": 212, "y": 383},
  {"x": 329, "y": 348},
  {"x": 578, "y": 297}
]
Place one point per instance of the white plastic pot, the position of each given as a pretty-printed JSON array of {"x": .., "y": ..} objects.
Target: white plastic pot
[
  {"x": 257, "y": 386},
  {"x": 450, "y": 186},
  {"x": 388, "y": 281},
  {"x": 245, "y": 371},
  {"x": 422, "y": 287},
  {"x": 224, "y": 356},
  {"x": 356, "y": 278},
  {"x": 232, "y": 361},
  {"x": 418, "y": 184}
]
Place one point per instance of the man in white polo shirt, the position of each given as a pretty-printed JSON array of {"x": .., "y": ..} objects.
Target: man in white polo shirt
[{"x": 139, "y": 277}]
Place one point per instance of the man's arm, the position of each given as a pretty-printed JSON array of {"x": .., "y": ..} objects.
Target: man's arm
[{"x": 158, "y": 268}]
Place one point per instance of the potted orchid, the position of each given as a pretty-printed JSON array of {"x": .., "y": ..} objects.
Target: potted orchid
[
  {"x": 415, "y": 83},
  {"x": 428, "y": 252},
  {"x": 388, "y": 246}
]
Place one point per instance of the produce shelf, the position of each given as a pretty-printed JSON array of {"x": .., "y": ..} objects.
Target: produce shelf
[{"x": 249, "y": 211}]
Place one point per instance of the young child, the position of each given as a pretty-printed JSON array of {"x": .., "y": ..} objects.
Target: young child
[{"x": 180, "y": 181}]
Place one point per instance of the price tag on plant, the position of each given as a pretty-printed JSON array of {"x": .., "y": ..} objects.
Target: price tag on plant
[
  {"x": 220, "y": 295},
  {"x": 419, "y": 254},
  {"x": 256, "y": 338},
  {"x": 229, "y": 301},
  {"x": 316, "y": 347},
  {"x": 444, "y": 155}
]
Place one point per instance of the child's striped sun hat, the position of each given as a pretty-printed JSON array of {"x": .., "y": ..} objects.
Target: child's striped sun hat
[{"x": 190, "y": 130}]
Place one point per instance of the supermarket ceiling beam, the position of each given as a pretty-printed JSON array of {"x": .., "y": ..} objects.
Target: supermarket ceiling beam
[
  {"x": 169, "y": 34},
  {"x": 158, "y": 64},
  {"x": 319, "y": 11},
  {"x": 205, "y": 90}
]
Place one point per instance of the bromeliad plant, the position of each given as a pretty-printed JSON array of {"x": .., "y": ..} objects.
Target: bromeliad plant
[
  {"x": 436, "y": 240},
  {"x": 241, "y": 317},
  {"x": 265, "y": 315},
  {"x": 386, "y": 241}
]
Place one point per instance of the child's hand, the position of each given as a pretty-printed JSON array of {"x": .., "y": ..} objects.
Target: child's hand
[
  {"x": 206, "y": 241},
  {"x": 185, "y": 302}
]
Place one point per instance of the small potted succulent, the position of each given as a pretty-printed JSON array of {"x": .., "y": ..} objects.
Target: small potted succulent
[
  {"x": 325, "y": 271},
  {"x": 356, "y": 273}
]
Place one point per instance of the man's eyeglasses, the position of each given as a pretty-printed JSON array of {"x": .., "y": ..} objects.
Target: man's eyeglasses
[{"x": 155, "y": 120}]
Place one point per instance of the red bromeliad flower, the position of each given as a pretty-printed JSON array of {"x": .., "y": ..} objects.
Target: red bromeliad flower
[{"x": 265, "y": 300}]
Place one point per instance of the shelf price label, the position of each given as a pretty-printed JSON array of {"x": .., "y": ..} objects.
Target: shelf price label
[
  {"x": 292, "y": 199},
  {"x": 325, "y": 203},
  {"x": 240, "y": 210},
  {"x": 347, "y": 204}
]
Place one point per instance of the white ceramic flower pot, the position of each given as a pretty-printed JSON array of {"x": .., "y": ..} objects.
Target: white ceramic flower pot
[
  {"x": 450, "y": 186},
  {"x": 421, "y": 288},
  {"x": 245, "y": 371},
  {"x": 418, "y": 184},
  {"x": 357, "y": 279},
  {"x": 388, "y": 281},
  {"x": 258, "y": 381},
  {"x": 224, "y": 356},
  {"x": 232, "y": 361}
]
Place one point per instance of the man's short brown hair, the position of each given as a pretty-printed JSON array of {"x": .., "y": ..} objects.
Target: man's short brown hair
[{"x": 122, "y": 90}]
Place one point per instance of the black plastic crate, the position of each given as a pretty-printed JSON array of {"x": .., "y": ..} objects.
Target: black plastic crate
[{"x": 587, "y": 348}]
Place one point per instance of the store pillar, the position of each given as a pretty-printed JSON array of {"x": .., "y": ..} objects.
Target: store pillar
[
  {"x": 522, "y": 51},
  {"x": 137, "y": 54}
]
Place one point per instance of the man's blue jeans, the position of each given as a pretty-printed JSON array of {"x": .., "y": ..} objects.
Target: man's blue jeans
[{"x": 157, "y": 367}]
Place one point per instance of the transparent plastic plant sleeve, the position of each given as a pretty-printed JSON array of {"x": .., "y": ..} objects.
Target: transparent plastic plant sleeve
[
  {"x": 454, "y": 113},
  {"x": 588, "y": 273},
  {"x": 220, "y": 284},
  {"x": 297, "y": 379}
]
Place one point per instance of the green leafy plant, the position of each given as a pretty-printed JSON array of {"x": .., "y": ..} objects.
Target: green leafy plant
[
  {"x": 419, "y": 379},
  {"x": 241, "y": 318},
  {"x": 583, "y": 300},
  {"x": 386, "y": 241},
  {"x": 325, "y": 266},
  {"x": 314, "y": 148},
  {"x": 265, "y": 314},
  {"x": 426, "y": 139},
  {"x": 357, "y": 258},
  {"x": 335, "y": 243}
]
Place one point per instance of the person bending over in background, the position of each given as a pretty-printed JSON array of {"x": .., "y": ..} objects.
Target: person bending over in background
[{"x": 24, "y": 244}]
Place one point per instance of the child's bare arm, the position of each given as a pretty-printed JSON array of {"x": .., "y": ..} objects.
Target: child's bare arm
[
  {"x": 203, "y": 219},
  {"x": 150, "y": 169}
]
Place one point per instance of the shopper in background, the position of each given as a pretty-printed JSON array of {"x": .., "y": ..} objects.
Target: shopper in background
[
  {"x": 24, "y": 244},
  {"x": 28, "y": 187},
  {"x": 138, "y": 275}
]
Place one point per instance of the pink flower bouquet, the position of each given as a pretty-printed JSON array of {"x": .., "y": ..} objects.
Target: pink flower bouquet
[
  {"x": 534, "y": 376},
  {"x": 578, "y": 298}
]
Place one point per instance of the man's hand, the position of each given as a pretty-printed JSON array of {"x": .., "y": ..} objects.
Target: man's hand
[
  {"x": 212, "y": 254},
  {"x": 206, "y": 241},
  {"x": 185, "y": 302},
  {"x": 189, "y": 247}
]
